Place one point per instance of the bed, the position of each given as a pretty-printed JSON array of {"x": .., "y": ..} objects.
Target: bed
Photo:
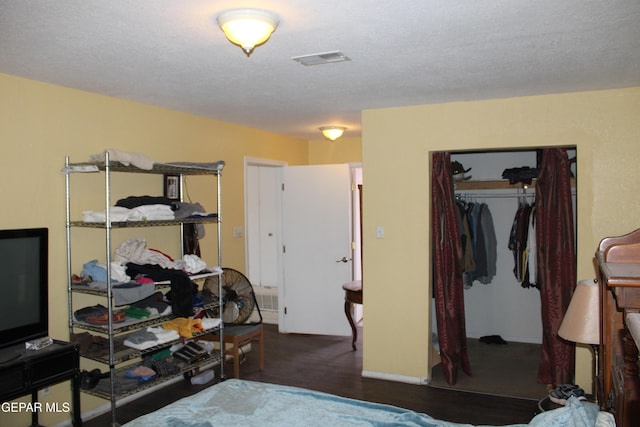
[{"x": 247, "y": 403}]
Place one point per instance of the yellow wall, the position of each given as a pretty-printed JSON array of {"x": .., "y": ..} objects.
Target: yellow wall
[
  {"x": 396, "y": 147},
  {"x": 41, "y": 124},
  {"x": 343, "y": 150}
]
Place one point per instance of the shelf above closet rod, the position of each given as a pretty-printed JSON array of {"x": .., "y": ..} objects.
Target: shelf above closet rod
[{"x": 499, "y": 184}]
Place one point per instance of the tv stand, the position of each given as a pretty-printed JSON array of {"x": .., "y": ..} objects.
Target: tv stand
[{"x": 24, "y": 372}]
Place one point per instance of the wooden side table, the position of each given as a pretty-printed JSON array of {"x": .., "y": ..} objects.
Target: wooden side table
[{"x": 352, "y": 295}]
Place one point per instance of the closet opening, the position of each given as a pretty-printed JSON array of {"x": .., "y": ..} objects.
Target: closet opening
[{"x": 502, "y": 303}]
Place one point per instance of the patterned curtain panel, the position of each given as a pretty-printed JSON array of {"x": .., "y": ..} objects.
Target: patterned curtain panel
[
  {"x": 556, "y": 263},
  {"x": 447, "y": 271}
]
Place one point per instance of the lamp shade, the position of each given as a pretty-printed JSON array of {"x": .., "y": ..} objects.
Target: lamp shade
[
  {"x": 332, "y": 132},
  {"x": 248, "y": 28},
  {"x": 581, "y": 323}
]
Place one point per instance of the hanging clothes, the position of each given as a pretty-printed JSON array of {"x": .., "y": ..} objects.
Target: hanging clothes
[
  {"x": 479, "y": 244},
  {"x": 522, "y": 244}
]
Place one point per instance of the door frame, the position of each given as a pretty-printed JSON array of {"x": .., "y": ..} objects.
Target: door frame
[{"x": 356, "y": 178}]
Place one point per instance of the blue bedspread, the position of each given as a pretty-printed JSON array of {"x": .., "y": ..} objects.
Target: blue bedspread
[{"x": 247, "y": 403}]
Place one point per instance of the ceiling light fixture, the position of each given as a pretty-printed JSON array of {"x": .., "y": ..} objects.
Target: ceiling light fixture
[
  {"x": 332, "y": 132},
  {"x": 248, "y": 28}
]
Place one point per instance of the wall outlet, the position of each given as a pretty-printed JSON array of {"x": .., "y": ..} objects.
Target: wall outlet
[
  {"x": 379, "y": 232},
  {"x": 237, "y": 231}
]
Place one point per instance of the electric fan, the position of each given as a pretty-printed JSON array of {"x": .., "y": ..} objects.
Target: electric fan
[{"x": 238, "y": 299}]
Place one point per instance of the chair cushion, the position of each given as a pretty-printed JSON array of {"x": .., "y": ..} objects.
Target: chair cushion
[{"x": 239, "y": 330}]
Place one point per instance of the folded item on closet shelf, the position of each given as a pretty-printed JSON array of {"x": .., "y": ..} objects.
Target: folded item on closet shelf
[
  {"x": 524, "y": 174},
  {"x": 152, "y": 213},
  {"x": 192, "y": 264},
  {"x": 131, "y": 202},
  {"x": 98, "y": 272},
  {"x": 164, "y": 335},
  {"x": 210, "y": 323},
  {"x": 136, "y": 313},
  {"x": 81, "y": 314},
  {"x": 185, "y": 326},
  {"x": 140, "y": 213},
  {"x": 149, "y": 337},
  {"x": 131, "y": 292},
  {"x": 127, "y": 158},
  {"x": 117, "y": 316},
  {"x": 142, "y": 373},
  {"x": 160, "y": 354},
  {"x": 183, "y": 210},
  {"x": 116, "y": 214},
  {"x": 142, "y": 337},
  {"x": 135, "y": 251},
  {"x": 153, "y": 302}
]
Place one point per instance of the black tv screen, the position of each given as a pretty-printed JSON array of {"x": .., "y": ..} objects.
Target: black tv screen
[{"x": 24, "y": 276}]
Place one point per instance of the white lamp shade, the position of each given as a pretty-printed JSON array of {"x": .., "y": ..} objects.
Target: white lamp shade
[
  {"x": 581, "y": 323},
  {"x": 248, "y": 28},
  {"x": 332, "y": 132}
]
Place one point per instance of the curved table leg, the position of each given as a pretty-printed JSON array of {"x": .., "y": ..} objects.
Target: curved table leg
[{"x": 354, "y": 330}]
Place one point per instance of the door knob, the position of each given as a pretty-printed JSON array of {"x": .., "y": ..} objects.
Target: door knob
[{"x": 343, "y": 259}]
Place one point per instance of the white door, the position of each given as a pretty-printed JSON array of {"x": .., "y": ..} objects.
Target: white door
[
  {"x": 263, "y": 247},
  {"x": 317, "y": 249}
]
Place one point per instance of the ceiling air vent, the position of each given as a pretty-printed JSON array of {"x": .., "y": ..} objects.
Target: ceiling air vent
[{"x": 321, "y": 58}]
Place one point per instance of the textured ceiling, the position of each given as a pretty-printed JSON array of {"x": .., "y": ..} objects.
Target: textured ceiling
[{"x": 171, "y": 53}]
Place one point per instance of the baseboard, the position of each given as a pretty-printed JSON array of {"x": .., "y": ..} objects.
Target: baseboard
[{"x": 396, "y": 378}]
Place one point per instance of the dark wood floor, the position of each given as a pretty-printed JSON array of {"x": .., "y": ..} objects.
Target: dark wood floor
[{"x": 329, "y": 365}]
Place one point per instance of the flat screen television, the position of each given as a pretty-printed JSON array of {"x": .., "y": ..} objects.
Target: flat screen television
[{"x": 24, "y": 273}]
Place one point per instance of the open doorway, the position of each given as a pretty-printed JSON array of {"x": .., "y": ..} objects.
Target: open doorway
[
  {"x": 504, "y": 308},
  {"x": 264, "y": 233}
]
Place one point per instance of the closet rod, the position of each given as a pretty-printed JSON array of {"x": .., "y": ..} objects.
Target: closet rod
[
  {"x": 496, "y": 196},
  {"x": 492, "y": 196}
]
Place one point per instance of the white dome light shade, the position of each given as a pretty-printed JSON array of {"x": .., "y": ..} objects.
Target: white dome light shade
[
  {"x": 248, "y": 28},
  {"x": 332, "y": 132}
]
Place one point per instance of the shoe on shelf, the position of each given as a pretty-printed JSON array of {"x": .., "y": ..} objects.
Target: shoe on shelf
[
  {"x": 563, "y": 392},
  {"x": 118, "y": 317}
]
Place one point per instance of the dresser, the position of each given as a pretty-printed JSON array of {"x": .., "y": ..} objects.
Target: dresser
[{"x": 618, "y": 267}]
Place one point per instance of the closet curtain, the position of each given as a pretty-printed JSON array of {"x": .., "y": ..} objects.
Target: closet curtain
[
  {"x": 556, "y": 257},
  {"x": 447, "y": 271}
]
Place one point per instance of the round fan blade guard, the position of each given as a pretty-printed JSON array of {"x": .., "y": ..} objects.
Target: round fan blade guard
[{"x": 237, "y": 297}]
